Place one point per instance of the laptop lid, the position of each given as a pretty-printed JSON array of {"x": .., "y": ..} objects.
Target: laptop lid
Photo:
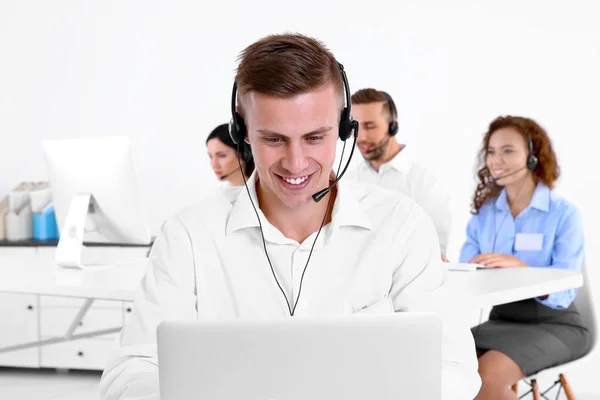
[{"x": 349, "y": 357}]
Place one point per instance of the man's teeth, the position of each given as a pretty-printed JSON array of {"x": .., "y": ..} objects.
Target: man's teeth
[{"x": 295, "y": 181}]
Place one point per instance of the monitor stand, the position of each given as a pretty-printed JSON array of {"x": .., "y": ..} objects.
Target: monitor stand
[{"x": 70, "y": 251}]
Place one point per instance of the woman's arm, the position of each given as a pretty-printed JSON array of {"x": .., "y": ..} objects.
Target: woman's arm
[
  {"x": 471, "y": 247},
  {"x": 567, "y": 253}
]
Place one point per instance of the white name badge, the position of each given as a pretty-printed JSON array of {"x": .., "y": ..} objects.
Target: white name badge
[{"x": 529, "y": 241}]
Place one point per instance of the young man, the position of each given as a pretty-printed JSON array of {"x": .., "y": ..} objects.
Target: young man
[
  {"x": 209, "y": 261},
  {"x": 389, "y": 164}
]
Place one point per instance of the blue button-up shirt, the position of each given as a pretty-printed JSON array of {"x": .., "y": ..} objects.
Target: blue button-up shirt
[{"x": 494, "y": 230}]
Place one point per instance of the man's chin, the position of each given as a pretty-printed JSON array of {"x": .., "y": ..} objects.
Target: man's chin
[
  {"x": 295, "y": 200},
  {"x": 371, "y": 156}
]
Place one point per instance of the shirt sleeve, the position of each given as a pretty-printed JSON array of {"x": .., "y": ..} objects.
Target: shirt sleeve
[
  {"x": 471, "y": 247},
  {"x": 167, "y": 291},
  {"x": 567, "y": 253},
  {"x": 421, "y": 271}
]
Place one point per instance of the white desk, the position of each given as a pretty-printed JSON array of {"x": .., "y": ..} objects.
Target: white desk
[
  {"x": 97, "y": 283},
  {"x": 463, "y": 290},
  {"x": 466, "y": 290},
  {"x": 62, "y": 299}
]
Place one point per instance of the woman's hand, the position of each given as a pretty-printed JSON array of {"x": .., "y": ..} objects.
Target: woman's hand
[{"x": 497, "y": 260}]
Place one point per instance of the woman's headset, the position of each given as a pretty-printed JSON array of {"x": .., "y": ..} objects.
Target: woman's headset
[{"x": 532, "y": 160}]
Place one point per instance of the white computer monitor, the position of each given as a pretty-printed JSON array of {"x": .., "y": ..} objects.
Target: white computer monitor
[
  {"x": 350, "y": 357},
  {"x": 95, "y": 195}
]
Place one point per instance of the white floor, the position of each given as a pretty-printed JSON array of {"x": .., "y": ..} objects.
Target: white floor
[{"x": 50, "y": 384}]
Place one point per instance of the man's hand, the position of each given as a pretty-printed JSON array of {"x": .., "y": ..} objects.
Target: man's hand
[{"x": 497, "y": 260}]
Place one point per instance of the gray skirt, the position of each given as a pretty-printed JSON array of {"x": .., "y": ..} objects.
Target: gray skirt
[{"x": 534, "y": 336}]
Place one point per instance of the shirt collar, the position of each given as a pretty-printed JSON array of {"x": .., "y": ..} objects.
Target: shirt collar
[
  {"x": 401, "y": 162},
  {"x": 540, "y": 199},
  {"x": 347, "y": 210}
]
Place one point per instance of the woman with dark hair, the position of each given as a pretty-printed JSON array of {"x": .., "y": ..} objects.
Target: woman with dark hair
[
  {"x": 519, "y": 221},
  {"x": 223, "y": 157}
]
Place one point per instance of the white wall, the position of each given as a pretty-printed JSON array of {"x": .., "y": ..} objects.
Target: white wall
[{"x": 161, "y": 73}]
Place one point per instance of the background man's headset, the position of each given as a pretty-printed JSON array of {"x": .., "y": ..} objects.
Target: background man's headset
[
  {"x": 393, "y": 126},
  {"x": 347, "y": 126}
]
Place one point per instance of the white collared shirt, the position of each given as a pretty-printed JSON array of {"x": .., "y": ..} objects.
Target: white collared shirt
[
  {"x": 209, "y": 263},
  {"x": 406, "y": 175}
]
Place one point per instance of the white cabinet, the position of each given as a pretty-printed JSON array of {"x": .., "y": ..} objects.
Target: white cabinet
[
  {"x": 56, "y": 321},
  {"x": 18, "y": 325},
  {"x": 92, "y": 354},
  {"x": 18, "y": 313},
  {"x": 127, "y": 311},
  {"x": 31, "y": 317},
  {"x": 57, "y": 315}
]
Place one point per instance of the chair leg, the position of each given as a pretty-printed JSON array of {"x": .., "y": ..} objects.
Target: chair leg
[
  {"x": 536, "y": 390},
  {"x": 567, "y": 387},
  {"x": 515, "y": 387}
]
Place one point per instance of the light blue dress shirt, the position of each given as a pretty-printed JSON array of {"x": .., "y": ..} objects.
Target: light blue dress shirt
[{"x": 562, "y": 245}]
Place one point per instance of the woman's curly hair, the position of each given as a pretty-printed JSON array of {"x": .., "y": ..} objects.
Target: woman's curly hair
[{"x": 546, "y": 171}]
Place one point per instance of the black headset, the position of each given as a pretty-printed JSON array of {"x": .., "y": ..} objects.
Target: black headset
[
  {"x": 238, "y": 130},
  {"x": 246, "y": 151},
  {"x": 532, "y": 160},
  {"x": 393, "y": 126}
]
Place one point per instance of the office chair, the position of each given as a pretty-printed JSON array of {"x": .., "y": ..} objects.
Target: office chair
[{"x": 585, "y": 305}]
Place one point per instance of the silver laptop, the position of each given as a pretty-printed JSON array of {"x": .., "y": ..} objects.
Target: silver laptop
[{"x": 353, "y": 357}]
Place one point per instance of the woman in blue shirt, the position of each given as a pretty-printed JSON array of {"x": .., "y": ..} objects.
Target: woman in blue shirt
[{"x": 518, "y": 221}]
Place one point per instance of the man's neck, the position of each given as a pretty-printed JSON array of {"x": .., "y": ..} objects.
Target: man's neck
[
  {"x": 391, "y": 151},
  {"x": 296, "y": 223}
]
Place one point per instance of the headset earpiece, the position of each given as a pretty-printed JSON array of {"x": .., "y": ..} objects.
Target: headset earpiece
[
  {"x": 246, "y": 151},
  {"x": 532, "y": 160},
  {"x": 393, "y": 125},
  {"x": 347, "y": 123},
  {"x": 237, "y": 126},
  {"x": 393, "y": 128}
]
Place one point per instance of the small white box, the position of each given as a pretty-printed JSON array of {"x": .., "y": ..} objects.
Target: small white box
[{"x": 19, "y": 225}]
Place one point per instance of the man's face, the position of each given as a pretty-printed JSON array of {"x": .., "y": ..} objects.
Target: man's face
[
  {"x": 374, "y": 120},
  {"x": 293, "y": 142}
]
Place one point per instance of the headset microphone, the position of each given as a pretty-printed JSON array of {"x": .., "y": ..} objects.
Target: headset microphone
[
  {"x": 229, "y": 174},
  {"x": 348, "y": 127},
  {"x": 320, "y": 194},
  {"x": 494, "y": 180},
  {"x": 383, "y": 143}
]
